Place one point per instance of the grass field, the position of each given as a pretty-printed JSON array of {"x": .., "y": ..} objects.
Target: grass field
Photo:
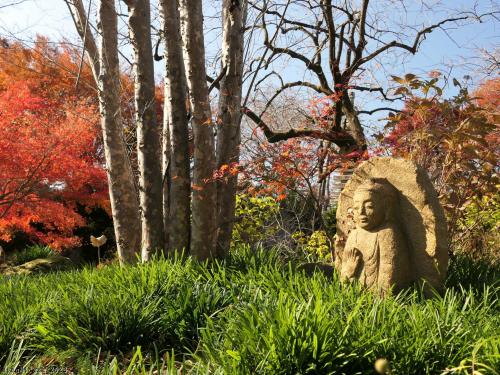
[{"x": 252, "y": 314}]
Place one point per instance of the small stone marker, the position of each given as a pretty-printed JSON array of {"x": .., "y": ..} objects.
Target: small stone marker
[{"x": 391, "y": 228}]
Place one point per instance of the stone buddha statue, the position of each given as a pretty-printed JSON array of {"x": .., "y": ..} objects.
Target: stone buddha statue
[
  {"x": 376, "y": 251},
  {"x": 399, "y": 233}
]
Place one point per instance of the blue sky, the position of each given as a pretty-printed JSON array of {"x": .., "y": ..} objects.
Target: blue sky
[
  {"x": 454, "y": 51},
  {"x": 51, "y": 18}
]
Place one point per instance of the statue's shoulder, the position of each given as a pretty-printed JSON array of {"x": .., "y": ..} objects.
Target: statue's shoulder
[
  {"x": 388, "y": 227},
  {"x": 390, "y": 232}
]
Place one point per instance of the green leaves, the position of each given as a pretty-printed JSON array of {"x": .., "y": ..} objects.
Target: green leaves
[
  {"x": 247, "y": 315},
  {"x": 253, "y": 219}
]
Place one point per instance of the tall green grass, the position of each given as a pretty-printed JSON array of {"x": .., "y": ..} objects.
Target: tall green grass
[{"x": 251, "y": 314}]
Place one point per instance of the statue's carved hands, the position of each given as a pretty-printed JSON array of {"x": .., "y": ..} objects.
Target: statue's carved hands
[{"x": 350, "y": 263}]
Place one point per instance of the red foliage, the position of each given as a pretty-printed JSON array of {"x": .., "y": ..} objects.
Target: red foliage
[
  {"x": 300, "y": 165},
  {"x": 456, "y": 140},
  {"x": 50, "y": 154},
  {"x": 487, "y": 98}
]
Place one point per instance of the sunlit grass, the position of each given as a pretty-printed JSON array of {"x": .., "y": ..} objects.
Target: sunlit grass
[{"x": 252, "y": 314}]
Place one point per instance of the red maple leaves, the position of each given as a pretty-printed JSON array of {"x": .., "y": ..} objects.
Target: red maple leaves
[{"x": 50, "y": 156}]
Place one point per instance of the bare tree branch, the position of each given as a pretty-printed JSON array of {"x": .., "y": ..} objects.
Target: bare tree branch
[
  {"x": 340, "y": 138},
  {"x": 215, "y": 82},
  {"x": 12, "y": 4},
  {"x": 375, "y": 89},
  {"x": 371, "y": 112},
  {"x": 412, "y": 48},
  {"x": 310, "y": 85}
]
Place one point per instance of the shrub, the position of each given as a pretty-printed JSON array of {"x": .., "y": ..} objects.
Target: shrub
[
  {"x": 480, "y": 228},
  {"x": 317, "y": 245},
  {"x": 330, "y": 220},
  {"x": 456, "y": 141},
  {"x": 253, "y": 219}
]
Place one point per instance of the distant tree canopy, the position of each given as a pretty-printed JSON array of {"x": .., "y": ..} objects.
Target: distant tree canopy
[{"x": 50, "y": 149}]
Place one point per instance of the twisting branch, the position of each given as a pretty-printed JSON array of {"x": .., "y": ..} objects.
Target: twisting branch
[
  {"x": 412, "y": 48},
  {"x": 340, "y": 138},
  {"x": 286, "y": 20},
  {"x": 362, "y": 27},
  {"x": 267, "y": 76},
  {"x": 157, "y": 55},
  {"x": 315, "y": 68},
  {"x": 12, "y": 4},
  {"x": 371, "y": 112},
  {"x": 318, "y": 28},
  {"x": 333, "y": 63},
  {"x": 261, "y": 61}
]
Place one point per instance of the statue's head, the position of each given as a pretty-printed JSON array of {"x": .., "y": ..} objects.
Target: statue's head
[{"x": 374, "y": 201}]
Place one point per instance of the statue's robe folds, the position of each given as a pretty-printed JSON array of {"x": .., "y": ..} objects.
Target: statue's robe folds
[{"x": 385, "y": 259}]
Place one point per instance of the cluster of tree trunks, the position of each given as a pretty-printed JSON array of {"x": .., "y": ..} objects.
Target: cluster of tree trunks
[{"x": 172, "y": 206}]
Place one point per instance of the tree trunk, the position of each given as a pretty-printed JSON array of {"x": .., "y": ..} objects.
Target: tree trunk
[
  {"x": 82, "y": 27},
  {"x": 204, "y": 189},
  {"x": 353, "y": 124},
  {"x": 176, "y": 111},
  {"x": 123, "y": 196},
  {"x": 148, "y": 132},
  {"x": 229, "y": 117},
  {"x": 165, "y": 159}
]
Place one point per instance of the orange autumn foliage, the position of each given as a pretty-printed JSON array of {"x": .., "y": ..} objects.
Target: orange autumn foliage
[
  {"x": 487, "y": 97},
  {"x": 50, "y": 153},
  {"x": 457, "y": 140}
]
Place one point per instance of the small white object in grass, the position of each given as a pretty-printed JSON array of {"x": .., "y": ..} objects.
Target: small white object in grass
[
  {"x": 98, "y": 241},
  {"x": 382, "y": 366}
]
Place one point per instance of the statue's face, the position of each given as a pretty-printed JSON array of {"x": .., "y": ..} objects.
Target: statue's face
[{"x": 369, "y": 210}]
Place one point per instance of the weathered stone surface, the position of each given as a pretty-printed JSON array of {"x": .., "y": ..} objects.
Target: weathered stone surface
[
  {"x": 40, "y": 265},
  {"x": 391, "y": 229}
]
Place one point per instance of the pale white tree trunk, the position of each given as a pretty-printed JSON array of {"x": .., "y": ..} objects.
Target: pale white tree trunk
[
  {"x": 83, "y": 28},
  {"x": 123, "y": 196},
  {"x": 229, "y": 117},
  {"x": 177, "y": 119},
  {"x": 148, "y": 131},
  {"x": 204, "y": 189}
]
